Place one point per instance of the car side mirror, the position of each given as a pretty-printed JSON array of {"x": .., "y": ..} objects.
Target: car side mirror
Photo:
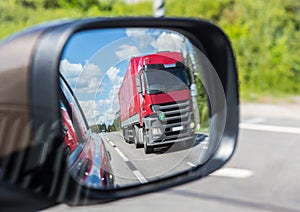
[{"x": 46, "y": 90}]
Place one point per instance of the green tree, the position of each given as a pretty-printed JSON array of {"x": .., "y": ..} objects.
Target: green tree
[{"x": 265, "y": 34}]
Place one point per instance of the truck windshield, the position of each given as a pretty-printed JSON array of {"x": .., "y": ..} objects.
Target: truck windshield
[{"x": 169, "y": 79}]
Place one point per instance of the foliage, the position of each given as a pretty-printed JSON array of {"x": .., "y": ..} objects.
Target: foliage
[
  {"x": 265, "y": 34},
  {"x": 98, "y": 128},
  {"x": 265, "y": 37},
  {"x": 202, "y": 101}
]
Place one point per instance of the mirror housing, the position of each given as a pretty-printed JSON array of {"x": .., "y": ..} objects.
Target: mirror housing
[{"x": 45, "y": 170}]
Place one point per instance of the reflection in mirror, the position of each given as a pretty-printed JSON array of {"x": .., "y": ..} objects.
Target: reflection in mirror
[{"x": 134, "y": 108}]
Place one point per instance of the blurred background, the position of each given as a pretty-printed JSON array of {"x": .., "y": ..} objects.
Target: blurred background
[
  {"x": 263, "y": 174},
  {"x": 265, "y": 34}
]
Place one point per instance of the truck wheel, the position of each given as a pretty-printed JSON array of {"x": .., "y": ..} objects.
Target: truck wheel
[
  {"x": 124, "y": 136},
  {"x": 123, "y": 133},
  {"x": 147, "y": 149},
  {"x": 136, "y": 142}
]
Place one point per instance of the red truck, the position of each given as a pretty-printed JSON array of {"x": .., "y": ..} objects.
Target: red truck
[{"x": 155, "y": 101}]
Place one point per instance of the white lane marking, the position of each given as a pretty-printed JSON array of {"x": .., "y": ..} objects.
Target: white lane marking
[
  {"x": 112, "y": 144},
  {"x": 191, "y": 164},
  {"x": 233, "y": 173},
  {"x": 270, "y": 128},
  {"x": 121, "y": 154},
  {"x": 257, "y": 120},
  {"x": 139, "y": 176}
]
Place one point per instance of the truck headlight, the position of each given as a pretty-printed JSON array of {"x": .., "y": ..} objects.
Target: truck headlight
[{"x": 156, "y": 132}]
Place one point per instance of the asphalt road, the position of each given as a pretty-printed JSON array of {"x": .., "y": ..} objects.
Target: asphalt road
[
  {"x": 133, "y": 166},
  {"x": 263, "y": 175}
]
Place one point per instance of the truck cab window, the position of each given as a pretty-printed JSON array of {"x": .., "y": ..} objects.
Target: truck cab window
[{"x": 170, "y": 79}]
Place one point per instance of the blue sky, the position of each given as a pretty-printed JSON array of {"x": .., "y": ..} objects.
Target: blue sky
[
  {"x": 82, "y": 46},
  {"x": 94, "y": 63}
]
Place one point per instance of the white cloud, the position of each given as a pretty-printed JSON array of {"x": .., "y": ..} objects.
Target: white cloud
[
  {"x": 82, "y": 80},
  {"x": 89, "y": 80},
  {"x": 104, "y": 110},
  {"x": 169, "y": 42},
  {"x": 86, "y": 82},
  {"x": 140, "y": 38},
  {"x": 139, "y": 41},
  {"x": 125, "y": 51},
  {"x": 89, "y": 108},
  {"x": 112, "y": 73},
  {"x": 97, "y": 112},
  {"x": 70, "y": 71},
  {"x": 101, "y": 111}
]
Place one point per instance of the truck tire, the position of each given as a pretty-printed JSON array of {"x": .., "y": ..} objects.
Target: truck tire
[
  {"x": 147, "y": 149},
  {"x": 124, "y": 136}
]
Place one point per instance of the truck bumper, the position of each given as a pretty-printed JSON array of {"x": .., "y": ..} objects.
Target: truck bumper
[
  {"x": 172, "y": 141},
  {"x": 161, "y": 133}
]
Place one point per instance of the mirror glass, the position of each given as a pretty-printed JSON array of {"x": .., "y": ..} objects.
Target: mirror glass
[{"x": 135, "y": 106}]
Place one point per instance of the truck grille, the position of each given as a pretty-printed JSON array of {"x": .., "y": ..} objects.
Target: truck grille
[{"x": 177, "y": 114}]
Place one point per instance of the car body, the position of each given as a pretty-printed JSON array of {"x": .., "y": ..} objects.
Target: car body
[{"x": 88, "y": 159}]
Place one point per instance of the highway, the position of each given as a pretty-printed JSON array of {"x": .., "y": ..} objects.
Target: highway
[
  {"x": 263, "y": 174},
  {"x": 133, "y": 166}
]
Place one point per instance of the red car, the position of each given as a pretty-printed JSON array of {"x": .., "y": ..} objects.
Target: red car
[
  {"x": 88, "y": 159},
  {"x": 70, "y": 137}
]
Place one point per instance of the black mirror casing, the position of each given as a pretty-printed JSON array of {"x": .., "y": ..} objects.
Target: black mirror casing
[{"x": 56, "y": 183}]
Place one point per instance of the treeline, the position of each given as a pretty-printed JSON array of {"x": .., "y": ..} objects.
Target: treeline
[
  {"x": 19, "y": 14},
  {"x": 106, "y": 127},
  {"x": 105, "y": 5},
  {"x": 265, "y": 34},
  {"x": 102, "y": 128}
]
